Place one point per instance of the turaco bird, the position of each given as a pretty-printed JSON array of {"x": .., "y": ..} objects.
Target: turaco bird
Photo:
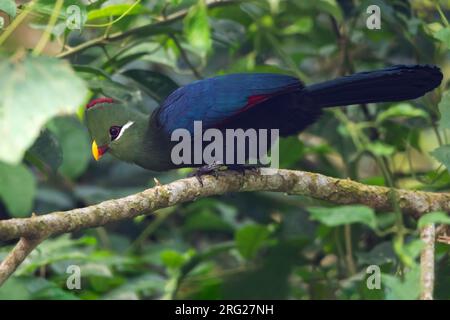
[{"x": 258, "y": 101}]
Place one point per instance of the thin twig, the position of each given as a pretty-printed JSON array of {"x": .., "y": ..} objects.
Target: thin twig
[
  {"x": 145, "y": 30},
  {"x": 185, "y": 57},
  {"x": 17, "y": 255},
  {"x": 48, "y": 30},
  {"x": 427, "y": 234}
]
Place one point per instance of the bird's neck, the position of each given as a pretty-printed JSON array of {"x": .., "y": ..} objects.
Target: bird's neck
[{"x": 155, "y": 154}]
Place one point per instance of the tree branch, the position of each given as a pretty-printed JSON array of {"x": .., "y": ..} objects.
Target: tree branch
[
  {"x": 428, "y": 235},
  {"x": 17, "y": 255},
  {"x": 145, "y": 30},
  {"x": 338, "y": 191}
]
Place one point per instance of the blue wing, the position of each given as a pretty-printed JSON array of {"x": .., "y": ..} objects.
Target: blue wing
[{"x": 217, "y": 99}]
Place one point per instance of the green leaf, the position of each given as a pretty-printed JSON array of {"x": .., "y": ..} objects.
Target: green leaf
[
  {"x": 75, "y": 143},
  {"x": 443, "y": 155},
  {"x": 401, "y": 110},
  {"x": 196, "y": 27},
  {"x": 250, "y": 238},
  {"x": 157, "y": 85},
  {"x": 54, "y": 250},
  {"x": 46, "y": 151},
  {"x": 43, "y": 289},
  {"x": 115, "y": 90},
  {"x": 342, "y": 215},
  {"x": 443, "y": 35},
  {"x": 413, "y": 248},
  {"x": 8, "y": 7},
  {"x": 172, "y": 259},
  {"x": 444, "y": 110},
  {"x": 331, "y": 7},
  {"x": 116, "y": 10},
  {"x": 433, "y": 217},
  {"x": 380, "y": 254},
  {"x": 72, "y": 14},
  {"x": 292, "y": 150},
  {"x": 303, "y": 25},
  {"x": 380, "y": 148},
  {"x": 15, "y": 288},
  {"x": 17, "y": 189},
  {"x": 206, "y": 220},
  {"x": 396, "y": 289},
  {"x": 149, "y": 283},
  {"x": 33, "y": 91}
]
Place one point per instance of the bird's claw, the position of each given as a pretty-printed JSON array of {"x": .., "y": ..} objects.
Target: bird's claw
[{"x": 211, "y": 169}]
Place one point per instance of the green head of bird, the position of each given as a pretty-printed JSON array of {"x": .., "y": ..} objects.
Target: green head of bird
[{"x": 115, "y": 128}]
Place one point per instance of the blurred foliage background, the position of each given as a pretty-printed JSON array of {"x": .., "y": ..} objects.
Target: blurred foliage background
[{"x": 57, "y": 55}]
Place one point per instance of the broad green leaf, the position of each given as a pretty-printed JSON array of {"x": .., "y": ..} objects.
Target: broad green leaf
[
  {"x": 46, "y": 151},
  {"x": 17, "y": 189},
  {"x": 91, "y": 269},
  {"x": 15, "y": 288},
  {"x": 44, "y": 289},
  {"x": 75, "y": 143},
  {"x": 250, "y": 238},
  {"x": 54, "y": 250},
  {"x": 71, "y": 16},
  {"x": 342, "y": 215},
  {"x": 433, "y": 217},
  {"x": 396, "y": 289},
  {"x": 196, "y": 27},
  {"x": 46, "y": 7},
  {"x": 51, "y": 88},
  {"x": 380, "y": 148},
  {"x": 401, "y": 110},
  {"x": 116, "y": 10},
  {"x": 444, "y": 110},
  {"x": 115, "y": 90},
  {"x": 157, "y": 85},
  {"x": 330, "y": 6},
  {"x": 433, "y": 27},
  {"x": 303, "y": 25},
  {"x": 292, "y": 150},
  {"x": 172, "y": 259},
  {"x": 413, "y": 248},
  {"x": 206, "y": 220},
  {"x": 443, "y": 35},
  {"x": 380, "y": 254},
  {"x": 8, "y": 7},
  {"x": 145, "y": 282},
  {"x": 443, "y": 155}
]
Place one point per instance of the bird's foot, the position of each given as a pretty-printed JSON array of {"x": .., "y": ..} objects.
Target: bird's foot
[{"x": 213, "y": 169}]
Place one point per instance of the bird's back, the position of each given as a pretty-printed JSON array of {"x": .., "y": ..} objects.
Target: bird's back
[{"x": 216, "y": 100}]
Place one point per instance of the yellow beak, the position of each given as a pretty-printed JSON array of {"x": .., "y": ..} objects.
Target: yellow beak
[
  {"x": 98, "y": 152},
  {"x": 95, "y": 152}
]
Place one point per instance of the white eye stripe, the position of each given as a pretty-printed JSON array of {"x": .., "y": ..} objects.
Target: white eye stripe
[{"x": 124, "y": 128}]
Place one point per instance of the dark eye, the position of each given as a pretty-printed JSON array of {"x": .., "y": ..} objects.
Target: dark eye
[{"x": 114, "y": 132}]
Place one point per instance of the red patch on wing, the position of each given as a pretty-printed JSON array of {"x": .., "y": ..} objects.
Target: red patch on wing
[
  {"x": 99, "y": 100},
  {"x": 252, "y": 100}
]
